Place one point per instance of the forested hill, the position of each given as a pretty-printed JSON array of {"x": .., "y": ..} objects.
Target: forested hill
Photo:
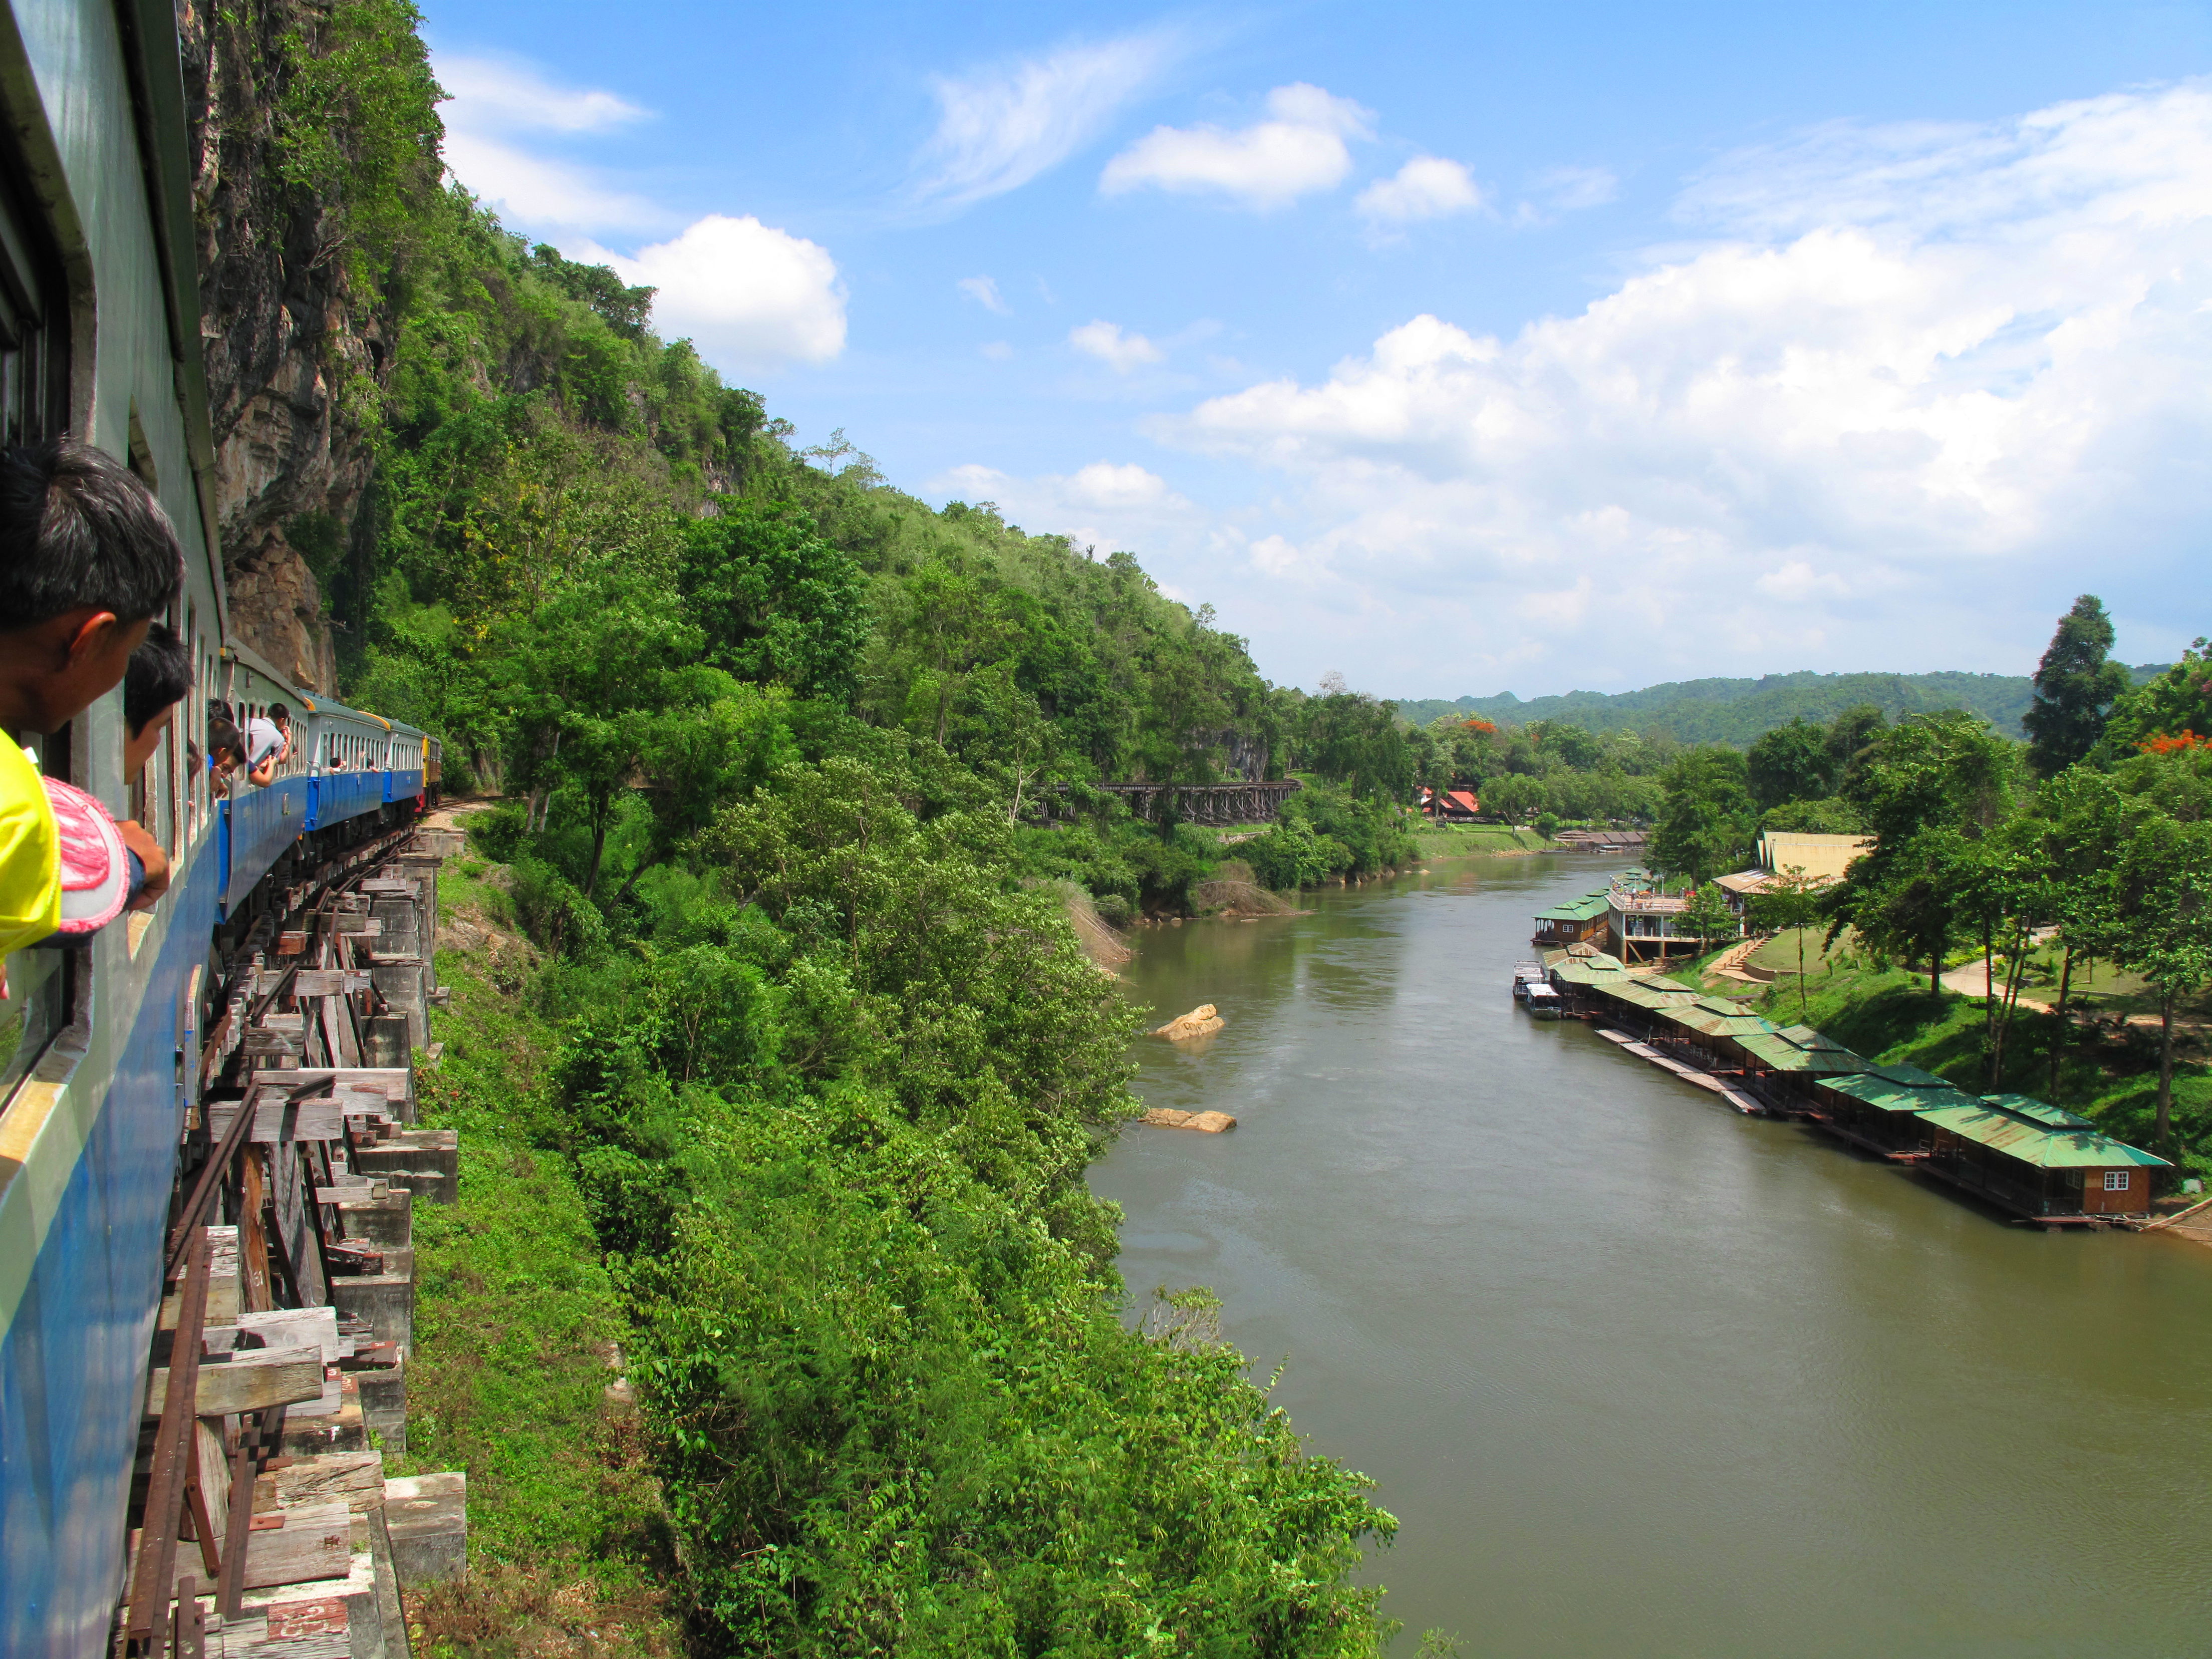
[
  {"x": 793, "y": 1064},
  {"x": 1737, "y": 712}
]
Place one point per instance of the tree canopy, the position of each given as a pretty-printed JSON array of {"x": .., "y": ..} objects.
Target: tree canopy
[{"x": 2075, "y": 687}]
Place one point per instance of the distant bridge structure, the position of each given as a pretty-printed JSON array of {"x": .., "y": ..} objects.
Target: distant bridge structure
[{"x": 1236, "y": 802}]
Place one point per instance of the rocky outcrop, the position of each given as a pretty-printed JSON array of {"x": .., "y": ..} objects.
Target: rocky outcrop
[
  {"x": 284, "y": 331},
  {"x": 1212, "y": 1123},
  {"x": 1202, "y": 1021}
]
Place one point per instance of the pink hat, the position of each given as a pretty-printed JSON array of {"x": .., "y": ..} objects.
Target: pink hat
[{"x": 95, "y": 868}]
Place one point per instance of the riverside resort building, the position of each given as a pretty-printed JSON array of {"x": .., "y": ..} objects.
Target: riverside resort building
[{"x": 1603, "y": 955}]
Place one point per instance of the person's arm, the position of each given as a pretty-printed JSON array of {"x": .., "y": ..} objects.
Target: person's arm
[
  {"x": 140, "y": 841},
  {"x": 261, "y": 776}
]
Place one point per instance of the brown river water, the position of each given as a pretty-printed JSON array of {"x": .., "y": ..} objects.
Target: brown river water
[{"x": 1637, "y": 1375}]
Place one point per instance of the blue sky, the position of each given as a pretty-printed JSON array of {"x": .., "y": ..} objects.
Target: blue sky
[{"x": 1455, "y": 349}]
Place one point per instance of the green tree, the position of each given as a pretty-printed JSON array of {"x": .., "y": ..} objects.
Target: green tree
[
  {"x": 1705, "y": 816},
  {"x": 2162, "y": 892},
  {"x": 2076, "y": 685},
  {"x": 1833, "y": 816},
  {"x": 624, "y": 309},
  {"x": 1929, "y": 789},
  {"x": 777, "y": 602},
  {"x": 2173, "y": 710},
  {"x": 1788, "y": 901},
  {"x": 2077, "y": 821},
  {"x": 1572, "y": 745},
  {"x": 1851, "y": 736},
  {"x": 1708, "y": 916},
  {"x": 1791, "y": 763},
  {"x": 1354, "y": 740}
]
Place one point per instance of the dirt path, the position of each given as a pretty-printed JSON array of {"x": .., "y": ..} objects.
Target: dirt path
[
  {"x": 1969, "y": 981},
  {"x": 1973, "y": 981},
  {"x": 449, "y": 817}
]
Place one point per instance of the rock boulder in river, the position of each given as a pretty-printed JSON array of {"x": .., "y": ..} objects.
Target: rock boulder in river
[
  {"x": 1200, "y": 1021},
  {"x": 1212, "y": 1123}
]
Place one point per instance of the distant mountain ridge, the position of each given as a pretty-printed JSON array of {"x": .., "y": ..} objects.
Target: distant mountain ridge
[{"x": 1738, "y": 711}]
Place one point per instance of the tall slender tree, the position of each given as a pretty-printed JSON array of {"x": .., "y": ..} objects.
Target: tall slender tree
[{"x": 2074, "y": 689}]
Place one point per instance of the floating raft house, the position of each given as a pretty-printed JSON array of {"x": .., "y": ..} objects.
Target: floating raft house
[
  {"x": 2026, "y": 1156},
  {"x": 2022, "y": 1162},
  {"x": 1880, "y": 1107}
]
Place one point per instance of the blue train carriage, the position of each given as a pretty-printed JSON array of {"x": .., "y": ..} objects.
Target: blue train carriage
[
  {"x": 347, "y": 775},
  {"x": 99, "y": 336}
]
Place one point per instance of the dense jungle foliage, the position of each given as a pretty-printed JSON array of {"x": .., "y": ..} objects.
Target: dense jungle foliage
[{"x": 790, "y": 762}]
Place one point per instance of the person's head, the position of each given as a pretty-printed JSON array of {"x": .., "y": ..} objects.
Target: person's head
[
  {"x": 281, "y": 716},
  {"x": 226, "y": 749},
  {"x": 160, "y": 674},
  {"x": 87, "y": 559}
]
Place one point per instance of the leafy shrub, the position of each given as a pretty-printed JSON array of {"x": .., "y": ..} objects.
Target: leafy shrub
[
  {"x": 1291, "y": 855},
  {"x": 553, "y": 911}
]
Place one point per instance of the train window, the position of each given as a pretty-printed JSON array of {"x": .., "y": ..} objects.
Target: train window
[{"x": 34, "y": 316}]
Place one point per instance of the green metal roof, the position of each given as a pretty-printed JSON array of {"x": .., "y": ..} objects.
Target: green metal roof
[
  {"x": 1643, "y": 995},
  {"x": 1806, "y": 1037},
  {"x": 1699, "y": 1017},
  {"x": 1591, "y": 970},
  {"x": 2039, "y": 1111},
  {"x": 1586, "y": 908},
  {"x": 1661, "y": 982},
  {"x": 1779, "y": 1050},
  {"x": 1913, "y": 1076},
  {"x": 1887, "y": 1093},
  {"x": 2030, "y": 1143},
  {"x": 1717, "y": 1005}
]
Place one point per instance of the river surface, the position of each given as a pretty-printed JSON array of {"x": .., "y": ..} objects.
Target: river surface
[{"x": 1637, "y": 1375}]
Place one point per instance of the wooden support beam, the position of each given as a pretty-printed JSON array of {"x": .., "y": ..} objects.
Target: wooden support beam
[{"x": 252, "y": 1381}]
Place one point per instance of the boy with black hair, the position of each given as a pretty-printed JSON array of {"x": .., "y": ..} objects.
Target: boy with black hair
[
  {"x": 157, "y": 680},
  {"x": 226, "y": 753},
  {"x": 268, "y": 742},
  {"x": 87, "y": 559}
]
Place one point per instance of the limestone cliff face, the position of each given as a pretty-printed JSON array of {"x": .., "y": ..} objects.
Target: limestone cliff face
[{"x": 282, "y": 330}]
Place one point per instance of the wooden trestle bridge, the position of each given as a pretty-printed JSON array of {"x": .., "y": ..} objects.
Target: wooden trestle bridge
[{"x": 1238, "y": 802}]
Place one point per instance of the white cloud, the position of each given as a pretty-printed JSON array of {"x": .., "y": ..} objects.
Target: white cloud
[
  {"x": 1000, "y": 128},
  {"x": 1106, "y": 505},
  {"x": 997, "y": 351},
  {"x": 514, "y": 96},
  {"x": 1103, "y": 484},
  {"x": 1426, "y": 187},
  {"x": 747, "y": 295},
  {"x": 494, "y": 103},
  {"x": 1917, "y": 383},
  {"x": 1119, "y": 351},
  {"x": 985, "y": 293},
  {"x": 1570, "y": 190},
  {"x": 1299, "y": 149}
]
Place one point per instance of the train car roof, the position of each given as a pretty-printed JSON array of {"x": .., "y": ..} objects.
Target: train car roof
[{"x": 309, "y": 701}]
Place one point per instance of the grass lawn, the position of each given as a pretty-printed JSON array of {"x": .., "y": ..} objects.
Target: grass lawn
[
  {"x": 1444, "y": 841},
  {"x": 1780, "y": 952}
]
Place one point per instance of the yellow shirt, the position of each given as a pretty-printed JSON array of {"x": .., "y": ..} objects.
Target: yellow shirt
[{"x": 30, "y": 852}]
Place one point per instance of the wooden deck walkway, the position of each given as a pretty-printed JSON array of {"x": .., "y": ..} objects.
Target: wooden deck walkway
[{"x": 1749, "y": 1106}]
